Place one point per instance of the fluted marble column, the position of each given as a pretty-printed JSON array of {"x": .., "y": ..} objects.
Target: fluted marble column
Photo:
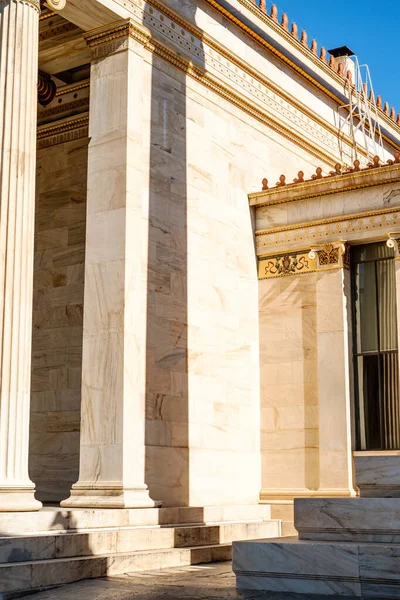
[{"x": 19, "y": 22}]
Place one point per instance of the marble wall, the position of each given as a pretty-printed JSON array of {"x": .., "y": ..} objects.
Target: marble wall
[
  {"x": 202, "y": 408},
  {"x": 57, "y": 318}
]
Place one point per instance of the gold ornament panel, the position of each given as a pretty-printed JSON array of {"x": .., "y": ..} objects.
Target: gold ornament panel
[{"x": 283, "y": 265}]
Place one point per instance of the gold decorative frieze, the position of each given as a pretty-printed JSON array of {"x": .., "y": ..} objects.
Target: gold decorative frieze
[
  {"x": 324, "y": 257},
  {"x": 321, "y": 229},
  {"x": 331, "y": 255},
  {"x": 283, "y": 265}
]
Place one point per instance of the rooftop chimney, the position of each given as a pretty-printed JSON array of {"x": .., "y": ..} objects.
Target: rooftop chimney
[{"x": 342, "y": 55}]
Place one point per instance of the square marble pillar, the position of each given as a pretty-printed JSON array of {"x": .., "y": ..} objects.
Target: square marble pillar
[
  {"x": 112, "y": 451},
  {"x": 335, "y": 381}
]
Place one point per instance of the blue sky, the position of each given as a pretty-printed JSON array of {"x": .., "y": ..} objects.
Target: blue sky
[{"x": 369, "y": 27}]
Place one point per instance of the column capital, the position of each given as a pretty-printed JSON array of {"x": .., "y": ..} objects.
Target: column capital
[
  {"x": 116, "y": 37},
  {"x": 333, "y": 255},
  {"x": 394, "y": 242},
  {"x": 34, "y": 3},
  {"x": 56, "y": 5}
]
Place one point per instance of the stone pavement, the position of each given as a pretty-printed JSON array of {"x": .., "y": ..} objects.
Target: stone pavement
[{"x": 201, "y": 582}]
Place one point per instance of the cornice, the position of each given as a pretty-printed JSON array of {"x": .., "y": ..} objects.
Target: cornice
[
  {"x": 240, "y": 101},
  {"x": 326, "y": 186},
  {"x": 115, "y": 37},
  {"x": 253, "y": 73},
  {"x": 296, "y": 44},
  {"x": 319, "y": 131}
]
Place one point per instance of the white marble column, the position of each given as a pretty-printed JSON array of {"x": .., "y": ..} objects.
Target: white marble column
[
  {"x": 112, "y": 451},
  {"x": 335, "y": 370},
  {"x": 19, "y": 22}
]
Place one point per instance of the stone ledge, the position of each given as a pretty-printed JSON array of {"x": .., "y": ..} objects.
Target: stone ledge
[
  {"x": 310, "y": 567},
  {"x": 348, "y": 519}
]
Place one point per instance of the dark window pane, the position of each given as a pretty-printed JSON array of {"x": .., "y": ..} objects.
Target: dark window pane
[
  {"x": 389, "y": 404},
  {"x": 386, "y": 283},
  {"x": 365, "y": 308},
  {"x": 368, "y": 388},
  {"x": 371, "y": 252},
  {"x": 376, "y": 347}
]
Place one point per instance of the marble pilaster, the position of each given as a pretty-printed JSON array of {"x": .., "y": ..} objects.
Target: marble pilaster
[
  {"x": 19, "y": 21},
  {"x": 334, "y": 347},
  {"x": 112, "y": 447}
]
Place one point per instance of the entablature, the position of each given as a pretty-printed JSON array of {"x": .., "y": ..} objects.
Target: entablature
[{"x": 358, "y": 205}]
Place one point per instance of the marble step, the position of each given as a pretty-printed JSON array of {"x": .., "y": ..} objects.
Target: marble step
[
  {"x": 348, "y": 519},
  {"x": 290, "y": 565},
  {"x": 25, "y": 577},
  {"x": 108, "y": 541},
  {"x": 60, "y": 519}
]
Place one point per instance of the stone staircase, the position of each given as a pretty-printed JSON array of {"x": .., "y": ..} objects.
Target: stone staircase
[{"x": 57, "y": 546}]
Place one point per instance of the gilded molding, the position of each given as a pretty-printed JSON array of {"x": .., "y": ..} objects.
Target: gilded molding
[
  {"x": 74, "y": 87},
  {"x": 64, "y": 131},
  {"x": 115, "y": 37},
  {"x": 45, "y": 14}
]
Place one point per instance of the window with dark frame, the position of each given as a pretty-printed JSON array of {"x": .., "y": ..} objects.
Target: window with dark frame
[{"x": 375, "y": 345}]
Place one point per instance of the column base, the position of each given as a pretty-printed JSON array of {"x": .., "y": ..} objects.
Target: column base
[
  {"x": 86, "y": 496},
  {"x": 18, "y": 500}
]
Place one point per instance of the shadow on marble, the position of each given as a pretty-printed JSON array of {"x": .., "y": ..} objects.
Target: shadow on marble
[{"x": 198, "y": 582}]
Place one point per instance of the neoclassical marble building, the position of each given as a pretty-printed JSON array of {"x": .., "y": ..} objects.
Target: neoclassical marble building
[{"x": 172, "y": 335}]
